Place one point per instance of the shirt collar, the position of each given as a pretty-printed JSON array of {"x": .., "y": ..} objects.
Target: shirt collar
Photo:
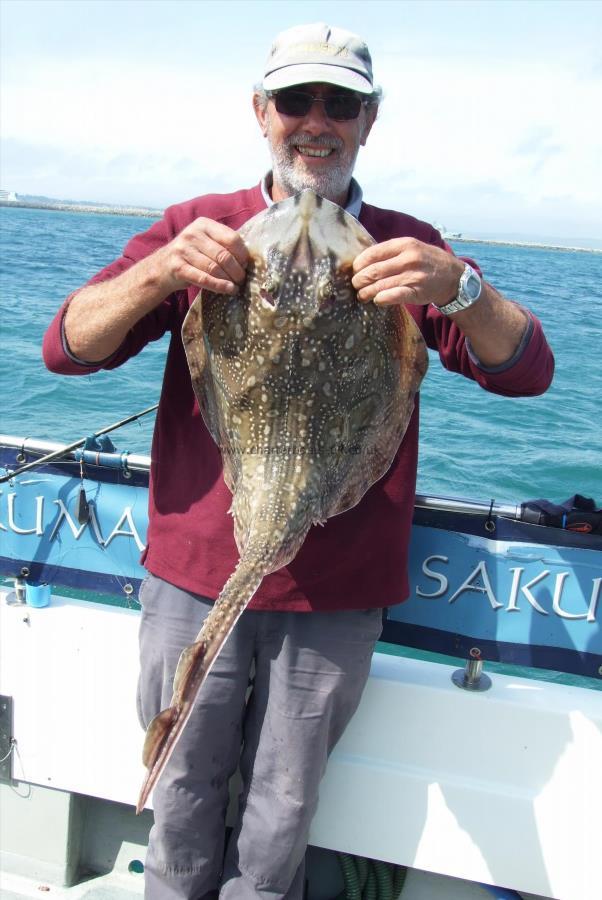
[{"x": 354, "y": 200}]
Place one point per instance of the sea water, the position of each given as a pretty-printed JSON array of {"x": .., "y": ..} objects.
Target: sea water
[{"x": 473, "y": 444}]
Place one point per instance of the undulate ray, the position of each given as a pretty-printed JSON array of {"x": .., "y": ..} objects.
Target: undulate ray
[{"x": 308, "y": 394}]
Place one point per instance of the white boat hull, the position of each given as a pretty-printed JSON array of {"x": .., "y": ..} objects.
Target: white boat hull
[{"x": 502, "y": 787}]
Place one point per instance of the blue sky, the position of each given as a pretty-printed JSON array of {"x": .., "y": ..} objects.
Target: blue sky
[{"x": 490, "y": 125}]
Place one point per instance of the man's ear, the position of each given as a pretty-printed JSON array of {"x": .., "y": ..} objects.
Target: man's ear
[
  {"x": 261, "y": 113},
  {"x": 369, "y": 120}
]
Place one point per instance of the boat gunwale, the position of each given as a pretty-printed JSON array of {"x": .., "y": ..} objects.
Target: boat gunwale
[{"x": 142, "y": 463}]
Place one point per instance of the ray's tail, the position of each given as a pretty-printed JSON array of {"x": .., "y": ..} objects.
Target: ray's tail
[{"x": 195, "y": 664}]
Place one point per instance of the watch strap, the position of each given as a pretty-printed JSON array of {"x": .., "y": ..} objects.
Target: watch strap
[{"x": 454, "y": 305}]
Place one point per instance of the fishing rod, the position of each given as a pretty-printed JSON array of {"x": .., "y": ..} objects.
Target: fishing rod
[{"x": 56, "y": 454}]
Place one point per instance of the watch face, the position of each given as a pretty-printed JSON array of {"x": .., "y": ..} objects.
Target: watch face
[
  {"x": 473, "y": 286},
  {"x": 470, "y": 286}
]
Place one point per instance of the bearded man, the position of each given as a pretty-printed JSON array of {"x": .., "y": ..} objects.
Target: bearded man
[{"x": 310, "y": 630}]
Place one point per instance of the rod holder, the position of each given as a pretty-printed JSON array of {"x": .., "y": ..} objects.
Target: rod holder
[{"x": 472, "y": 677}]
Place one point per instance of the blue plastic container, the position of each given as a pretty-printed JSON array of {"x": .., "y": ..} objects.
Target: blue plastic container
[{"x": 37, "y": 595}]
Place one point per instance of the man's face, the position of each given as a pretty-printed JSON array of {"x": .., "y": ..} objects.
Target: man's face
[{"x": 313, "y": 151}]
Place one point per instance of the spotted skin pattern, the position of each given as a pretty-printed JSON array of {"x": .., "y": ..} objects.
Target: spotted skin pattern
[{"x": 307, "y": 393}]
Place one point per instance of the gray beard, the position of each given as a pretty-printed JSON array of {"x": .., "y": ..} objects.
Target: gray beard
[{"x": 333, "y": 183}]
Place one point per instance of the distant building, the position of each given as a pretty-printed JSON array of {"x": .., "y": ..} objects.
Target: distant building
[{"x": 8, "y": 195}]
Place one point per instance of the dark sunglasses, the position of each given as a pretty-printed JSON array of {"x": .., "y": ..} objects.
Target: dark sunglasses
[{"x": 340, "y": 107}]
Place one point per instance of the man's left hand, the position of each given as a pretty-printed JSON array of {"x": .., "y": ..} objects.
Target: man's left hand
[{"x": 404, "y": 270}]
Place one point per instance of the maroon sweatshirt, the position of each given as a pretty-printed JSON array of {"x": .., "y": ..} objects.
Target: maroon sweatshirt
[{"x": 358, "y": 559}]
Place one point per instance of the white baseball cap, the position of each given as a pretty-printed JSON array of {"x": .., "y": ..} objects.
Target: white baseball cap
[{"x": 319, "y": 53}]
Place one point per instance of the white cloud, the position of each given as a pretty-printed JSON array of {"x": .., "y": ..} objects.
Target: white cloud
[
  {"x": 453, "y": 137},
  {"x": 524, "y": 132}
]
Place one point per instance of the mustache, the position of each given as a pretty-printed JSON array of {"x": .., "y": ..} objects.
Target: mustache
[{"x": 322, "y": 140}]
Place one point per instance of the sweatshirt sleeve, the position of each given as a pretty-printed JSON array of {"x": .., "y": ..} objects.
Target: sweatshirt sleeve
[
  {"x": 527, "y": 374},
  {"x": 55, "y": 351},
  {"x": 530, "y": 370}
]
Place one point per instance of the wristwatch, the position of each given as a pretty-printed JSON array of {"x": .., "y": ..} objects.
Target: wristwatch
[{"x": 469, "y": 291}]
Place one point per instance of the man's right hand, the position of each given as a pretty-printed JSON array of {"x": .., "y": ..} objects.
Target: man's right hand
[{"x": 206, "y": 254}]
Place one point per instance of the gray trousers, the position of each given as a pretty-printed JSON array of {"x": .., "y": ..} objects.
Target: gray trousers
[{"x": 310, "y": 671}]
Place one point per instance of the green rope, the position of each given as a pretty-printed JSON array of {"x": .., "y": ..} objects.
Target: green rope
[
  {"x": 370, "y": 879},
  {"x": 371, "y": 889},
  {"x": 352, "y": 889},
  {"x": 384, "y": 880},
  {"x": 399, "y": 879},
  {"x": 362, "y": 865}
]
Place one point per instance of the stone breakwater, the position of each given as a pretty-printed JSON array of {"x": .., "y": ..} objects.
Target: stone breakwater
[
  {"x": 530, "y": 244},
  {"x": 87, "y": 208},
  {"x": 145, "y": 213}
]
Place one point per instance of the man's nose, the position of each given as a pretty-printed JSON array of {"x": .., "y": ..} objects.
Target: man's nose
[{"x": 316, "y": 119}]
